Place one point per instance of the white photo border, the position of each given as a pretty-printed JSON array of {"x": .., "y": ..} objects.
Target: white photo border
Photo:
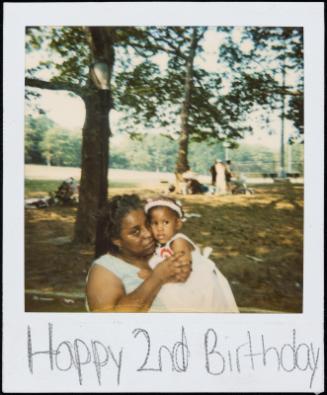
[{"x": 232, "y": 331}]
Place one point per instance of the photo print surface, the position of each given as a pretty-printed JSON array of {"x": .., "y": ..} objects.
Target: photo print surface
[
  {"x": 163, "y": 197},
  {"x": 210, "y": 116}
]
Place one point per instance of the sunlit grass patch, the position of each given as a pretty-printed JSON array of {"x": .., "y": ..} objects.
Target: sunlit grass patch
[{"x": 42, "y": 188}]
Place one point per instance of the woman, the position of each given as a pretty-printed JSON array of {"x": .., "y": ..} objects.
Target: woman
[{"x": 121, "y": 280}]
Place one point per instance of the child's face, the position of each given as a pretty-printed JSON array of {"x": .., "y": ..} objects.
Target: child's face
[{"x": 164, "y": 224}]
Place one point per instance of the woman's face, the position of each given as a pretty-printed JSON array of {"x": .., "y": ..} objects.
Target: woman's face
[{"x": 135, "y": 237}]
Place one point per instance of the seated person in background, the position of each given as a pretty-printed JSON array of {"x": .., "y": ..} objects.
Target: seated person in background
[{"x": 194, "y": 187}]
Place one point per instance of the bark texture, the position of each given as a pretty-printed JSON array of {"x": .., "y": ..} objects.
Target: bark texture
[
  {"x": 95, "y": 144},
  {"x": 95, "y": 158},
  {"x": 182, "y": 161}
]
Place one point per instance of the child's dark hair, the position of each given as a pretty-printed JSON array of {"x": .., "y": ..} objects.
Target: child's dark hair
[{"x": 110, "y": 218}]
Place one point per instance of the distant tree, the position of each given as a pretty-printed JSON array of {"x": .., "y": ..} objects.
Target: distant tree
[
  {"x": 35, "y": 130},
  {"x": 61, "y": 147},
  {"x": 254, "y": 158},
  {"x": 296, "y": 151},
  {"x": 152, "y": 152},
  {"x": 280, "y": 51},
  {"x": 275, "y": 55},
  {"x": 295, "y": 113},
  {"x": 202, "y": 155},
  {"x": 163, "y": 152},
  {"x": 118, "y": 160}
]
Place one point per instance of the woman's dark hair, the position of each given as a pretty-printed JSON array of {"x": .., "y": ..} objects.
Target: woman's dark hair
[{"x": 110, "y": 218}]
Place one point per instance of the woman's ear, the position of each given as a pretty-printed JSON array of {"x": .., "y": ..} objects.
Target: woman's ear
[{"x": 117, "y": 243}]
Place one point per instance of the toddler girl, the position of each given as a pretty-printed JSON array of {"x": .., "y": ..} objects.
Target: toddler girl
[{"x": 206, "y": 289}]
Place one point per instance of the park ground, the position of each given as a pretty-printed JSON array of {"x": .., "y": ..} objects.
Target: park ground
[{"x": 257, "y": 243}]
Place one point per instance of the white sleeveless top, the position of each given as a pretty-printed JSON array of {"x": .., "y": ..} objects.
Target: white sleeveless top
[{"x": 127, "y": 273}]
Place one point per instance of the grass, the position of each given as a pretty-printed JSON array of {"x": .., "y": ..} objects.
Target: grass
[
  {"x": 38, "y": 188},
  {"x": 41, "y": 187},
  {"x": 257, "y": 244}
]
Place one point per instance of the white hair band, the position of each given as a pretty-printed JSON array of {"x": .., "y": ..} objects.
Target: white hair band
[{"x": 164, "y": 203}]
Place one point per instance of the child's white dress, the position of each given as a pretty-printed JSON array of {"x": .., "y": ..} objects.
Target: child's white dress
[{"x": 205, "y": 290}]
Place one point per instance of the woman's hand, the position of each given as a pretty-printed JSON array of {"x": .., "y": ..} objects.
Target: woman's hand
[
  {"x": 184, "y": 263},
  {"x": 176, "y": 268},
  {"x": 185, "y": 260}
]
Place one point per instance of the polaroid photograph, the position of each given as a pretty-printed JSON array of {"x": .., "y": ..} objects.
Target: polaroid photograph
[{"x": 163, "y": 197}]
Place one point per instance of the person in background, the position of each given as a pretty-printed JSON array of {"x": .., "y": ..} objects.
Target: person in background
[
  {"x": 213, "y": 174},
  {"x": 221, "y": 178},
  {"x": 228, "y": 176},
  {"x": 194, "y": 187}
]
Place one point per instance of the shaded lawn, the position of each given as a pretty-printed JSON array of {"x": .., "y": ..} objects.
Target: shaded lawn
[{"x": 257, "y": 244}]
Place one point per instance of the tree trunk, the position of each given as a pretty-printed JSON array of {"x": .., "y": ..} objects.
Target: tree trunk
[
  {"x": 94, "y": 167},
  {"x": 182, "y": 161},
  {"x": 95, "y": 144}
]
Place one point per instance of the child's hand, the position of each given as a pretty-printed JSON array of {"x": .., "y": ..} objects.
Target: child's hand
[{"x": 172, "y": 269}]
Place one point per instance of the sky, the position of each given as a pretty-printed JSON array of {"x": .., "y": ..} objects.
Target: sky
[{"x": 56, "y": 103}]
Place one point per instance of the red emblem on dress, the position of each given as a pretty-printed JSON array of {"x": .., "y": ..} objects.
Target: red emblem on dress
[{"x": 166, "y": 252}]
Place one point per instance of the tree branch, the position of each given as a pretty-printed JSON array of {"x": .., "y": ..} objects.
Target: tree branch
[
  {"x": 174, "y": 49},
  {"x": 199, "y": 81},
  {"x": 155, "y": 47},
  {"x": 201, "y": 35},
  {"x": 52, "y": 85},
  {"x": 286, "y": 92}
]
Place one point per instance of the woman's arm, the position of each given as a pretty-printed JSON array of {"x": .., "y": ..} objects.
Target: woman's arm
[{"x": 105, "y": 291}]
